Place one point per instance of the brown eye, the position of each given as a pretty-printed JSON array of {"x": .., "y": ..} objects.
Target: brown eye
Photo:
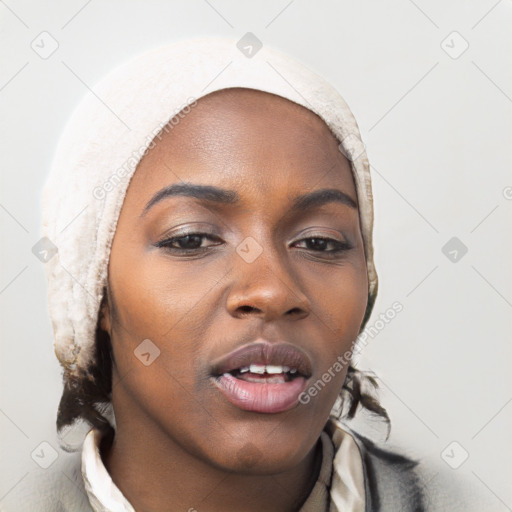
[
  {"x": 186, "y": 242},
  {"x": 321, "y": 244}
]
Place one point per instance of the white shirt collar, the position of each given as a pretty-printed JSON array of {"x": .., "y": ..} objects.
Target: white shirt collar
[{"x": 102, "y": 492}]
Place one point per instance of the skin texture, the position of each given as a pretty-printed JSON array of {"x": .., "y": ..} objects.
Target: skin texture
[{"x": 179, "y": 443}]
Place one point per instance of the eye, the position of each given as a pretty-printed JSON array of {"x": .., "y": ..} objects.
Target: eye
[
  {"x": 187, "y": 242},
  {"x": 321, "y": 244}
]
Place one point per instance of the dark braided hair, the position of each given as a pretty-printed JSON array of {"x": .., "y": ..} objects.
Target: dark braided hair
[{"x": 85, "y": 396}]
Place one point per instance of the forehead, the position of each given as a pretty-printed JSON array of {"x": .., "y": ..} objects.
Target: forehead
[{"x": 258, "y": 143}]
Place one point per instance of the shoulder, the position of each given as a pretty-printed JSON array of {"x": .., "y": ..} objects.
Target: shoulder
[
  {"x": 395, "y": 481},
  {"x": 58, "y": 488}
]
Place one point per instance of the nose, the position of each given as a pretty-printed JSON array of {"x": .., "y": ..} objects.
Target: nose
[{"x": 267, "y": 289}]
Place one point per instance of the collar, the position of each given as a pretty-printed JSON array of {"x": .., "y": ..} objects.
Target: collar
[
  {"x": 340, "y": 485},
  {"x": 102, "y": 492}
]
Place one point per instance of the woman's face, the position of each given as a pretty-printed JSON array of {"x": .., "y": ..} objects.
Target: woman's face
[{"x": 261, "y": 271}]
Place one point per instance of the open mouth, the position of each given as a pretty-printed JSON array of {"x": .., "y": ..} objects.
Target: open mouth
[
  {"x": 262, "y": 377},
  {"x": 262, "y": 373}
]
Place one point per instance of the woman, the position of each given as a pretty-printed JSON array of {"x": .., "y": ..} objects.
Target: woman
[{"x": 212, "y": 215}]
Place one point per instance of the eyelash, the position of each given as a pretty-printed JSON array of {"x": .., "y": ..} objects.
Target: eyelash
[{"x": 341, "y": 246}]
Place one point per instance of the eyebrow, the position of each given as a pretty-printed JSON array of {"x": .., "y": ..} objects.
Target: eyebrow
[{"x": 223, "y": 196}]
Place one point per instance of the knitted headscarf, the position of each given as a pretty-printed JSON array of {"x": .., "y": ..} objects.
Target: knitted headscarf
[{"x": 109, "y": 133}]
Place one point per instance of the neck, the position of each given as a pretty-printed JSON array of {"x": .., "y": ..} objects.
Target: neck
[{"x": 154, "y": 473}]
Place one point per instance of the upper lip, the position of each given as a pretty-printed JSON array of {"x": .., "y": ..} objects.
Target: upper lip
[{"x": 263, "y": 352}]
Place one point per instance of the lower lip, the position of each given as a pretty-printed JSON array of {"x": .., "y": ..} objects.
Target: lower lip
[{"x": 264, "y": 397}]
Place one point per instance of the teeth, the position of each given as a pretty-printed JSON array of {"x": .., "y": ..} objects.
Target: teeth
[
  {"x": 257, "y": 368},
  {"x": 277, "y": 369},
  {"x": 269, "y": 368}
]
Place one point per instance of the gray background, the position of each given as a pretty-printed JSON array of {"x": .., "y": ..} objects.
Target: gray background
[{"x": 436, "y": 123}]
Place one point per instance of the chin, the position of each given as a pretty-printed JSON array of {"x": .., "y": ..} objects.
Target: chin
[{"x": 259, "y": 457}]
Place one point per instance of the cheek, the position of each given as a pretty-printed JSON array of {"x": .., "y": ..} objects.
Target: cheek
[
  {"x": 341, "y": 306},
  {"x": 155, "y": 355},
  {"x": 341, "y": 300},
  {"x": 162, "y": 312},
  {"x": 156, "y": 296}
]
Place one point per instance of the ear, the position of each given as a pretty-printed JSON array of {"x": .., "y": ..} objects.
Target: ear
[{"x": 104, "y": 314}]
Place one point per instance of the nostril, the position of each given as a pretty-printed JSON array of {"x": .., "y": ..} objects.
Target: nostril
[{"x": 246, "y": 309}]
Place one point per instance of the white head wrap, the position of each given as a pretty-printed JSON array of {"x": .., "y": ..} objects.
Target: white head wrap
[{"x": 110, "y": 131}]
